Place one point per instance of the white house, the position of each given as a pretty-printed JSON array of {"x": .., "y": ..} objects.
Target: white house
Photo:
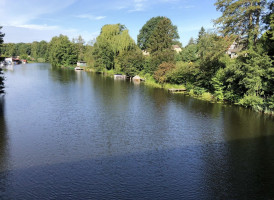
[
  {"x": 176, "y": 48},
  {"x": 81, "y": 64}
]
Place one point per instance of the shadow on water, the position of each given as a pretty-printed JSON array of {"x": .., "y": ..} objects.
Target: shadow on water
[
  {"x": 130, "y": 142},
  {"x": 3, "y": 149},
  {"x": 62, "y": 75},
  {"x": 240, "y": 169}
]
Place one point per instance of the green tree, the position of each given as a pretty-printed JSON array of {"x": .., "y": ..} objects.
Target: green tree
[
  {"x": 191, "y": 41},
  {"x": 190, "y": 53},
  {"x": 183, "y": 73},
  {"x": 104, "y": 56},
  {"x": 242, "y": 18},
  {"x": 267, "y": 39},
  {"x": 211, "y": 48},
  {"x": 1, "y": 37},
  {"x": 143, "y": 39},
  {"x": 1, "y": 73},
  {"x": 162, "y": 36},
  {"x": 61, "y": 51},
  {"x": 131, "y": 62},
  {"x": 160, "y": 74},
  {"x": 146, "y": 31},
  {"x": 201, "y": 33},
  {"x": 80, "y": 47},
  {"x": 113, "y": 41}
]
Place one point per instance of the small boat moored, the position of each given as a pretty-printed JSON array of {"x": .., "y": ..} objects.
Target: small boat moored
[{"x": 78, "y": 68}]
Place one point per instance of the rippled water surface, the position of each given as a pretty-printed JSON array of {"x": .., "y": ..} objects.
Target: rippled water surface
[{"x": 68, "y": 134}]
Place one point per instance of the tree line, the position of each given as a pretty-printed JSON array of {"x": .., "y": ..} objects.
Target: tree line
[{"x": 205, "y": 66}]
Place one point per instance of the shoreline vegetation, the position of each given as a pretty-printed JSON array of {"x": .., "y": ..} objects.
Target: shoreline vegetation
[{"x": 233, "y": 63}]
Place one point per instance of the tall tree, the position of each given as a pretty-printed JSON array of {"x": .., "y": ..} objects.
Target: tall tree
[
  {"x": 211, "y": 48},
  {"x": 1, "y": 39},
  {"x": 191, "y": 41},
  {"x": 267, "y": 38},
  {"x": 113, "y": 40},
  {"x": 80, "y": 48},
  {"x": 1, "y": 74},
  {"x": 1, "y": 36},
  {"x": 162, "y": 36},
  {"x": 148, "y": 29},
  {"x": 201, "y": 33},
  {"x": 61, "y": 51},
  {"x": 242, "y": 18}
]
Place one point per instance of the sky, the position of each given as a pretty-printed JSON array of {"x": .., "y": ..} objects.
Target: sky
[{"x": 36, "y": 20}]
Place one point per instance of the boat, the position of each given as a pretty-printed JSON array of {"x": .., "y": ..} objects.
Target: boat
[{"x": 78, "y": 68}]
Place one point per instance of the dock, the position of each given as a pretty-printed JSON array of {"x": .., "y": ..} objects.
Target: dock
[{"x": 176, "y": 90}]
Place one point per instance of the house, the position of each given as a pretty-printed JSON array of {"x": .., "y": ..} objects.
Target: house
[
  {"x": 145, "y": 53},
  {"x": 81, "y": 64},
  {"x": 176, "y": 48},
  {"x": 119, "y": 77},
  {"x": 234, "y": 49},
  {"x": 13, "y": 61}
]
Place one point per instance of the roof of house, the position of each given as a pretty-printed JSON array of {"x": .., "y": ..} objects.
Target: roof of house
[{"x": 176, "y": 46}]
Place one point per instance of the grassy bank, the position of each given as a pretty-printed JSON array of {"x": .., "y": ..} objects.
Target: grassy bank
[{"x": 191, "y": 90}]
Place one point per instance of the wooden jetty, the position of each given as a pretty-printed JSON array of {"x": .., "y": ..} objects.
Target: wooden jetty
[{"x": 176, "y": 90}]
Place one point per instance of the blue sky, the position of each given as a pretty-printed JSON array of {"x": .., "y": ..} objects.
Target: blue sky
[{"x": 36, "y": 20}]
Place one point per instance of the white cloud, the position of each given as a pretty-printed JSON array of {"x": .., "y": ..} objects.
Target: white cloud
[
  {"x": 139, "y": 5},
  {"x": 22, "y": 12},
  {"x": 91, "y": 17},
  {"x": 38, "y": 27},
  {"x": 30, "y": 33}
]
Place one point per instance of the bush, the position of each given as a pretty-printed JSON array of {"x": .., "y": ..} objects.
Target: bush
[
  {"x": 252, "y": 101},
  {"x": 183, "y": 73},
  {"x": 207, "y": 96},
  {"x": 40, "y": 60},
  {"x": 161, "y": 72}
]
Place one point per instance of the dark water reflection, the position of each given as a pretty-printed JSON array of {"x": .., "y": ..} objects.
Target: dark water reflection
[{"x": 77, "y": 135}]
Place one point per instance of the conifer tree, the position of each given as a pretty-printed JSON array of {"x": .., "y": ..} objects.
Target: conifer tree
[
  {"x": 242, "y": 18},
  {"x": 163, "y": 36}
]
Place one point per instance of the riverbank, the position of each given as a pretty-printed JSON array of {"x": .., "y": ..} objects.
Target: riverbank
[{"x": 188, "y": 89}]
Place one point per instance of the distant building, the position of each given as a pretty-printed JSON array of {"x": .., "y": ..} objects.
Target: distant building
[
  {"x": 81, "y": 64},
  {"x": 176, "y": 48},
  {"x": 145, "y": 53},
  {"x": 233, "y": 50}
]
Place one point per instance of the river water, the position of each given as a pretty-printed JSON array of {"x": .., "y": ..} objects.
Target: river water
[{"x": 68, "y": 134}]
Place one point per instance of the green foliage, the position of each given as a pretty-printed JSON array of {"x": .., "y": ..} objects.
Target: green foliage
[
  {"x": 206, "y": 96},
  {"x": 113, "y": 42},
  {"x": 1, "y": 74},
  {"x": 143, "y": 39},
  {"x": 211, "y": 48},
  {"x": 162, "y": 36},
  {"x": 218, "y": 84},
  {"x": 191, "y": 41},
  {"x": 159, "y": 57},
  {"x": 131, "y": 62},
  {"x": 24, "y": 56},
  {"x": 201, "y": 33},
  {"x": 242, "y": 18},
  {"x": 160, "y": 74},
  {"x": 61, "y": 52},
  {"x": 38, "y": 49},
  {"x": 183, "y": 73},
  {"x": 270, "y": 102},
  {"x": 254, "y": 67},
  {"x": 79, "y": 46},
  {"x": 41, "y": 60},
  {"x": 104, "y": 57},
  {"x": 88, "y": 57},
  {"x": 190, "y": 53},
  {"x": 1, "y": 36},
  {"x": 252, "y": 101}
]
